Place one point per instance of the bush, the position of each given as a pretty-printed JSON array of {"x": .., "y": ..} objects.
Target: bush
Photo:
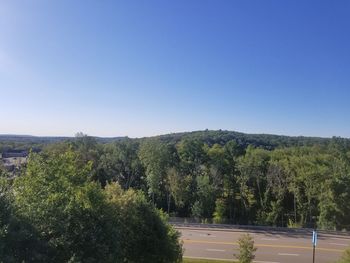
[
  {"x": 345, "y": 257},
  {"x": 145, "y": 234},
  {"x": 220, "y": 210},
  {"x": 246, "y": 249}
]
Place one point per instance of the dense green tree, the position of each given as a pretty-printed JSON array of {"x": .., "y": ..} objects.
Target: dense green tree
[
  {"x": 218, "y": 165},
  {"x": 5, "y": 217},
  {"x": 219, "y": 214},
  {"x": 334, "y": 198},
  {"x": 145, "y": 234},
  {"x": 251, "y": 179},
  {"x": 180, "y": 188},
  {"x": 76, "y": 220},
  {"x": 192, "y": 155},
  {"x": 120, "y": 163},
  {"x": 18, "y": 239},
  {"x": 205, "y": 204},
  {"x": 69, "y": 211},
  {"x": 276, "y": 189},
  {"x": 253, "y": 166},
  {"x": 157, "y": 159}
]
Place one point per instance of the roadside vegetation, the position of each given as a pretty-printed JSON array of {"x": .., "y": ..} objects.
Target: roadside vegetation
[
  {"x": 345, "y": 257},
  {"x": 246, "y": 249}
]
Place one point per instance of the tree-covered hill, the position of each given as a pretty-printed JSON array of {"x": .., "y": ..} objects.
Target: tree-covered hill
[
  {"x": 27, "y": 142},
  {"x": 267, "y": 141},
  {"x": 209, "y": 137}
]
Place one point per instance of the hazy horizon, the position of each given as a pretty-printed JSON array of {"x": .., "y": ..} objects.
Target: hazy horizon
[{"x": 135, "y": 137}]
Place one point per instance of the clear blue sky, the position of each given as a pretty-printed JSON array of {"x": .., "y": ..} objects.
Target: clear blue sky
[{"x": 139, "y": 68}]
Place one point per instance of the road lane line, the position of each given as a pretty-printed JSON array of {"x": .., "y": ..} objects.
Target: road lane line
[
  {"x": 263, "y": 245},
  {"x": 338, "y": 244},
  {"x": 230, "y": 260},
  {"x": 215, "y": 250},
  {"x": 222, "y": 259},
  {"x": 338, "y": 238},
  {"x": 288, "y": 254},
  {"x": 269, "y": 239}
]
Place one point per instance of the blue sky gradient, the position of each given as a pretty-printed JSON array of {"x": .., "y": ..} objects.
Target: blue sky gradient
[{"x": 140, "y": 68}]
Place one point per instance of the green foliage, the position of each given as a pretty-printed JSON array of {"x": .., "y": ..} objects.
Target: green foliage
[
  {"x": 251, "y": 180},
  {"x": 246, "y": 249},
  {"x": 78, "y": 221},
  {"x": 205, "y": 204},
  {"x": 145, "y": 234},
  {"x": 192, "y": 155},
  {"x": 18, "y": 239},
  {"x": 68, "y": 210},
  {"x": 219, "y": 215},
  {"x": 345, "y": 257},
  {"x": 292, "y": 224},
  {"x": 5, "y": 215},
  {"x": 179, "y": 186},
  {"x": 119, "y": 162},
  {"x": 156, "y": 158},
  {"x": 222, "y": 175}
]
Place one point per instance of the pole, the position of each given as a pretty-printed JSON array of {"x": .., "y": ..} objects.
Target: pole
[
  {"x": 295, "y": 210},
  {"x": 314, "y": 242}
]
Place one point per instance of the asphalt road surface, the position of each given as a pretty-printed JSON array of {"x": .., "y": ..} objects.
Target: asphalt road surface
[{"x": 273, "y": 246}]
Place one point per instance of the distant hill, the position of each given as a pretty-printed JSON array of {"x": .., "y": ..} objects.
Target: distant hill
[
  {"x": 31, "y": 139},
  {"x": 210, "y": 137},
  {"x": 48, "y": 139},
  {"x": 267, "y": 141},
  {"x": 26, "y": 142}
]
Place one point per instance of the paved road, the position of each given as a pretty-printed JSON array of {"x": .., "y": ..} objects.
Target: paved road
[{"x": 273, "y": 246}]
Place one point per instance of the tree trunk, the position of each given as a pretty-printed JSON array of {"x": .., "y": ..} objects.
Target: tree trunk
[{"x": 169, "y": 199}]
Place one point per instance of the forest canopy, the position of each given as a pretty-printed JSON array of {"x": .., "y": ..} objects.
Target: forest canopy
[{"x": 223, "y": 176}]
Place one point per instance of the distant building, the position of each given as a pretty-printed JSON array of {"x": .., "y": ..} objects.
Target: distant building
[
  {"x": 14, "y": 154},
  {"x": 13, "y": 160}
]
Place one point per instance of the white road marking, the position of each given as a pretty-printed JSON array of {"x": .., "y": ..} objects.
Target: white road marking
[
  {"x": 222, "y": 259},
  {"x": 338, "y": 244},
  {"x": 269, "y": 239},
  {"x": 338, "y": 238},
  {"x": 258, "y": 261},
  {"x": 215, "y": 250},
  {"x": 287, "y": 254}
]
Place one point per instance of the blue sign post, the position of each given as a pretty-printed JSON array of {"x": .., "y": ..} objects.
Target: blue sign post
[{"x": 314, "y": 243}]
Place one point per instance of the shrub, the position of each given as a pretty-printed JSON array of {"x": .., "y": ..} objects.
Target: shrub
[
  {"x": 246, "y": 249},
  {"x": 345, "y": 257}
]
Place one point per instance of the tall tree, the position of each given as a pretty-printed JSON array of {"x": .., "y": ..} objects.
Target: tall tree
[
  {"x": 156, "y": 158},
  {"x": 252, "y": 169},
  {"x": 119, "y": 162}
]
